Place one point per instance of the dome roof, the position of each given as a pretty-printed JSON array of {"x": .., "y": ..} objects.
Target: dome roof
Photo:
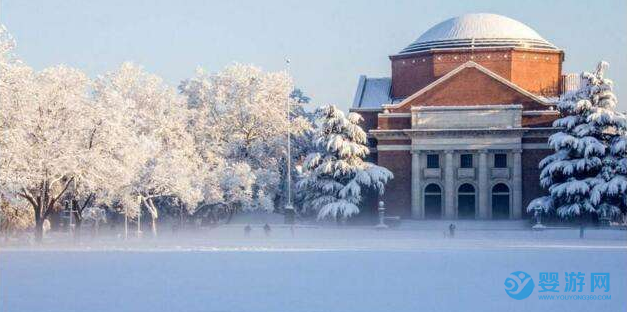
[{"x": 478, "y": 31}]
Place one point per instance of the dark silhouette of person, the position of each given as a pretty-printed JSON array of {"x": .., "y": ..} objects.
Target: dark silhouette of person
[
  {"x": 451, "y": 230},
  {"x": 247, "y": 230},
  {"x": 581, "y": 228},
  {"x": 267, "y": 229}
]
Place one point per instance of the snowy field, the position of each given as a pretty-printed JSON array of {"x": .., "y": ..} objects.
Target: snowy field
[{"x": 356, "y": 269}]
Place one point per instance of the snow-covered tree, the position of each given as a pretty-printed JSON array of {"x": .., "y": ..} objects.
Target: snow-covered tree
[
  {"x": 239, "y": 117},
  {"x": 95, "y": 216},
  {"x": 7, "y": 44},
  {"x": 45, "y": 120},
  {"x": 332, "y": 178},
  {"x": 609, "y": 191},
  {"x": 587, "y": 173},
  {"x": 299, "y": 96},
  {"x": 237, "y": 185},
  {"x": 163, "y": 160},
  {"x": 15, "y": 218},
  {"x": 128, "y": 140},
  {"x": 58, "y": 143}
]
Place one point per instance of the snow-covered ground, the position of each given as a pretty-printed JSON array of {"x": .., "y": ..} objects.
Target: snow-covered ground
[{"x": 317, "y": 269}]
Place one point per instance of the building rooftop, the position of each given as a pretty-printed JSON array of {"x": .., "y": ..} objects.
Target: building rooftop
[
  {"x": 372, "y": 92},
  {"x": 478, "y": 30}
]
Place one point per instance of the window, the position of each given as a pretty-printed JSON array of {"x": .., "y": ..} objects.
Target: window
[
  {"x": 500, "y": 201},
  {"x": 466, "y": 201},
  {"x": 433, "y": 202},
  {"x": 466, "y": 189},
  {"x": 500, "y": 160},
  {"x": 466, "y": 160},
  {"x": 433, "y": 161}
]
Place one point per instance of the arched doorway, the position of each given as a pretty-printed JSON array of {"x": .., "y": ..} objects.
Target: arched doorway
[
  {"x": 466, "y": 201},
  {"x": 500, "y": 201},
  {"x": 433, "y": 202}
]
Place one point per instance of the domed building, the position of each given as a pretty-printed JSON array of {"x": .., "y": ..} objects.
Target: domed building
[{"x": 463, "y": 120}]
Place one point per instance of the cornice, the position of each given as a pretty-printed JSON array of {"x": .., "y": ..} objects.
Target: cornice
[{"x": 463, "y": 132}]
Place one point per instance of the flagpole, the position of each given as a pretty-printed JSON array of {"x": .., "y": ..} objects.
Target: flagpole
[{"x": 289, "y": 209}]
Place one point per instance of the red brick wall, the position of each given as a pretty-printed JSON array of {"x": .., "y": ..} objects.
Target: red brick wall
[
  {"x": 414, "y": 72},
  {"x": 531, "y": 188},
  {"x": 471, "y": 87},
  {"x": 397, "y": 195},
  {"x": 529, "y": 69},
  {"x": 538, "y": 120},
  {"x": 370, "y": 120},
  {"x": 389, "y": 123},
  {"x": 537, "y": 72},
  {"x": 411, "y": 74},
  {"x": 497, "y": 61}
]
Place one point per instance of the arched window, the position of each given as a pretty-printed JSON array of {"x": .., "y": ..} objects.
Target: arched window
[
  {"x": 433, "y": 202},
  {"x": 466, "y": 201},
  {"x": 500, "y": 201}
]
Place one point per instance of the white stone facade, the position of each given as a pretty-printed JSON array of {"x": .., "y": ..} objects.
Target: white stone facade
[{"x": 479, "y": 133}]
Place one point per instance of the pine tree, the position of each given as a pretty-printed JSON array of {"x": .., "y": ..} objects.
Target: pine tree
[
  {"x": 332, "y": 178},
  {"x": 586, "y": 174},
  {"x": 610, "y": 188}
]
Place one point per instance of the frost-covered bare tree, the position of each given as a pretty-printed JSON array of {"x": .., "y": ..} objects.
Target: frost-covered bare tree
[
  {"x": 163, "y": 159},
  {"x": 15, "y": 218},
  {"x": 95, "y": 216},
  {"x": 240, "y": 124},
  {"x": 45, "y": 121},
  {"x": 127, "y": 140},
  {"x": 58, "y": 142}
]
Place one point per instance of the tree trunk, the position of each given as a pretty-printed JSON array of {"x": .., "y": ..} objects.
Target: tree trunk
[
  {"x": 78, "y": 218},
  {"x": 7, "y": 234},
  {"x": 95, "y": 228},
  {"x": 153, "y": 225},
  {"x": 42, "y": 204},
  {"x": 77, "y": 230},
  {"x": 39, "y": 229},
  {"x": 230, "y": 213},
  {"x": 181, "y": 217}
]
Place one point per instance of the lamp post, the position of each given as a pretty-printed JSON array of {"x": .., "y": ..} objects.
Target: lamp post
[
  {"x": 125, "y": 222},
  {"x": 139, "y": 222},
  {"x": 381, "y": 224},
  {"x": 289, "y": 209},
  {"x": 68, "y": 208},
  {"x": 139, "y": 217},
  {"x": 72, "y": 226},
  {"x": 604, "y": 219},
  {"x": 538, "y": 226}
]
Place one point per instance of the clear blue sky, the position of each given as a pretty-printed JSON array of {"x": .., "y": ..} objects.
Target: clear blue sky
[{"x": 330, "y": 43}]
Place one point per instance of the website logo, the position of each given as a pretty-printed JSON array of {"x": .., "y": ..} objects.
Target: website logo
[{"x": 519, "y": 285}]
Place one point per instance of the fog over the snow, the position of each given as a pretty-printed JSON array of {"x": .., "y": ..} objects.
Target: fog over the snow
[
  {"x": 311, "y": 268},
  {"x": 330, "y": 43},
  {"x": 307, "y": 267}
]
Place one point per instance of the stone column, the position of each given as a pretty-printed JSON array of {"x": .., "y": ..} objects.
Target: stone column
[
  {"x": 516, "y": 212},
  {"x": 485, "y": 210},
  {"x": 417, "y": 209},
  {"x": 449, "y": 187}
]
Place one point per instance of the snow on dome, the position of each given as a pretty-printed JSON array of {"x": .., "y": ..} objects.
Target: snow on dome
[{"x": 479, "y": 30}]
